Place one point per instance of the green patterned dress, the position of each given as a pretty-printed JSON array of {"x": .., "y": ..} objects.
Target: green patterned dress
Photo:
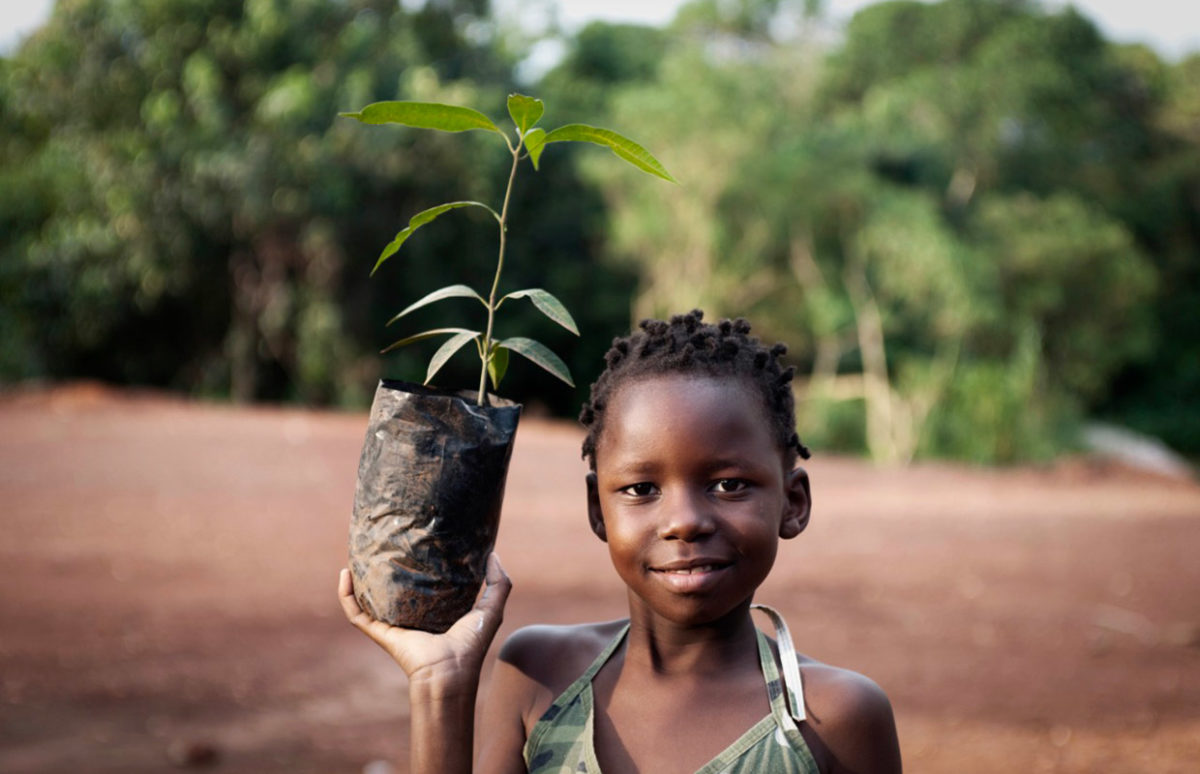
[{"x": 562, "y": 740}]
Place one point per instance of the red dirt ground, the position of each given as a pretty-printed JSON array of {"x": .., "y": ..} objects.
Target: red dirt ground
[{"x": 168, "y": 574}]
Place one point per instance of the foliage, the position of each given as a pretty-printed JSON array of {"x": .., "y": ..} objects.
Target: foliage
[
  {"x": 941, "y": 224},
  {"x": 1157, "y": 392},
  {"x": 974, "y": 221},
  {"x": 599, "y": 58}
]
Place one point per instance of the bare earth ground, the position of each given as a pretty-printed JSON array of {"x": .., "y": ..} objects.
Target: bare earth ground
[{"x": 167, "y": 574}]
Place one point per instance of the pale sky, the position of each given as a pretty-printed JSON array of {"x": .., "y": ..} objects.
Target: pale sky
[{"x": 1172, "y": 27}]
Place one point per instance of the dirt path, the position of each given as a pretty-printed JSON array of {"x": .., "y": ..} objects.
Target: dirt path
[{"x": 167, "y": 582}]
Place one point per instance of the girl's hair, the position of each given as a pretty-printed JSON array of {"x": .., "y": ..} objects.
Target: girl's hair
[{"x": 686, "y": 345}]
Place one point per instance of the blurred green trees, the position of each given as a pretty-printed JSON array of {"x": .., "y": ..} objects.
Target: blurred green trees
[
  {"x": 974, "y": 221},
  {"x": 936, "y": 215},
  {"x": 197, "y": 199}
]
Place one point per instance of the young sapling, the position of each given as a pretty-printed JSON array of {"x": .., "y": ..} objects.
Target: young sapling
[{"x": 528, "y": 142}]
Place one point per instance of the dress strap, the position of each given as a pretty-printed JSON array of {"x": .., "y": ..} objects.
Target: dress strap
[
  {"x": 585, "y": 680},
  {"x": 792, "y": 684},
  {"x": 605, "y": 654}
]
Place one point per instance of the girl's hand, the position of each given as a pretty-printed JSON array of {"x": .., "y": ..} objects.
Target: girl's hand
[{"x": 452, "y": 656}]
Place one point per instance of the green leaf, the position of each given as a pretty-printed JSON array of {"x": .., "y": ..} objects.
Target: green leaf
[
  {"x": 525, "y": 111},
  {"x": 420, "y": 219},
  {"x": 622, "y": 146},
  {"x": 549, "y": 306},
  {"x": 539, "y": 354},
  {"x": 497, "y": 365},
  {"x": 424, "y": 115},
  {"x": 425, "y": 335},
  {"x": 452, "y": 345},
  {"x": 535, "y": 143},
  {"x": 450, "y": 291}
]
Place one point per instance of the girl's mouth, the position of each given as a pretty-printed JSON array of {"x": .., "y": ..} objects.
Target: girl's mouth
[
  {"x": 691, "y": 577},
  {"x": 691, "y": 565},
  {"x": 693, "y": 570}
]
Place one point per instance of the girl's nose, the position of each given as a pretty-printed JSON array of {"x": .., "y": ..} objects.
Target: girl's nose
[{"x": 687, "y": 516}]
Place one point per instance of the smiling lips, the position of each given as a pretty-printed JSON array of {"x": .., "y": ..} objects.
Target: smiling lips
[
  {"x": 693, "y": 575},
  {"x": 692, "y": 570}
]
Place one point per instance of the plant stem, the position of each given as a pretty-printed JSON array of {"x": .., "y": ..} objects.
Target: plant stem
[{"x": 487, "y": 336}]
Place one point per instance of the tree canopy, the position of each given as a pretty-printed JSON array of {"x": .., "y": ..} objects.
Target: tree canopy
[
  {"x": 975, "y": 222},
  {"x": 935, "y": 215}
]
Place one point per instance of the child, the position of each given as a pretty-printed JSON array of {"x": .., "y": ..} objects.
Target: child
[{"x": 692, "y": 451}]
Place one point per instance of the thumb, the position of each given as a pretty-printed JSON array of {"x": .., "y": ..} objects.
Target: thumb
[{"x": 485, "y": 618}]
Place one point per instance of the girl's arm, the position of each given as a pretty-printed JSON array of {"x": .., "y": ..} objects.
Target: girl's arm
[{"x": 443, "y": 672}]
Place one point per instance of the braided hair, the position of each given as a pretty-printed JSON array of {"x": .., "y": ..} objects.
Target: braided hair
[{"x": 685, "y": 345}]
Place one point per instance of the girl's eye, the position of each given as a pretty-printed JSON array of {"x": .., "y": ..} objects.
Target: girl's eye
[
  {"x": 640, "y": 489},
  {"x": 729, "y": 485}
]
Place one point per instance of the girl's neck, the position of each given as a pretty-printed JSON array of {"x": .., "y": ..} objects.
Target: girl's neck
[{"x": 663, "y": 648}]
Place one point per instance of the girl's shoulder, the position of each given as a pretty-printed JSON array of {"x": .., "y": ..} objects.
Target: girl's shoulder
[
  {"x": 555, "y": 656},
  {"x": 851, "y": 716},
  {"x": 537, "y": 663}
]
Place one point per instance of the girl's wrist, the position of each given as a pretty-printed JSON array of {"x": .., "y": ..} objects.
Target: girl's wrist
[
  {"x": 444, "y": 683},
  {"x": 442, "y": 708}
]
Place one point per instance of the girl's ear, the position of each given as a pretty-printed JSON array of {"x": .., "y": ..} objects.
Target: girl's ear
[
  {"x": 799, "y": 504},
  {"x": 595, "y": 516}
]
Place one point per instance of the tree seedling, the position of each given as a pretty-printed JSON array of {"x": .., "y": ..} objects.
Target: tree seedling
[{"x": 528, "y": 142}]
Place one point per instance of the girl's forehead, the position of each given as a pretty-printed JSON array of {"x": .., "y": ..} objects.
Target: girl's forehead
[
  {"x": 686, "y": 408},
  {"x": 681, "y": 389}
]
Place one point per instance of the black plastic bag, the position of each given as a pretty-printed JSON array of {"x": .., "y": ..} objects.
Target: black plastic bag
[{"x": 427, "y": 504}]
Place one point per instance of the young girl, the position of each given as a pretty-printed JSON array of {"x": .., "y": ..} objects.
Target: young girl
[{"x": 693, "y": 452}]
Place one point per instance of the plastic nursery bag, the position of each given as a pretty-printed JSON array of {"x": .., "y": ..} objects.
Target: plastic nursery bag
[{"x": 427, "y": 504}]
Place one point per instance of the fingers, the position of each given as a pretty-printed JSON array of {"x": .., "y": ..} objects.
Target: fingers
[
  {"x": 346, "y": 594},
  {"x": 350, "y": 607},
  {"x": 483, "y": 620},
  {"x": 495, "y": 572},
  {"x": 490, "y": 607},
  {"x": 378, "y": 631},
  {"x": 478, "y": 626},
  {"x": 346, "y": 597},
  {"x": 496, "y": 586}
]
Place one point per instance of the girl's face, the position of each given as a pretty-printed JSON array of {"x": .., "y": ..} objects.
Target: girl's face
[{"x": 691, "y": 494}]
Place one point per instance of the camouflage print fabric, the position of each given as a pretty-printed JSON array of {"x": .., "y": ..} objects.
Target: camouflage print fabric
[{"x": 562, "y": 740}]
